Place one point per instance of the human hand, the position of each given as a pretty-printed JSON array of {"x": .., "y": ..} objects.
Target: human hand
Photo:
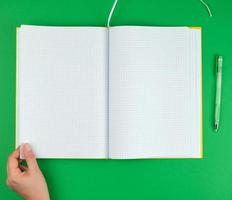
[{"x": 28, "y": 181}]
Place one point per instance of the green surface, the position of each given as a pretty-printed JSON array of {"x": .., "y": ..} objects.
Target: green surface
[{"x": 209, "y": 178}]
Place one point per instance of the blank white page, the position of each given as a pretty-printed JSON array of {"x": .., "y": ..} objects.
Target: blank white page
[
  {"x": 61, "y": 91},
  {"x": 154, "y": 92}
]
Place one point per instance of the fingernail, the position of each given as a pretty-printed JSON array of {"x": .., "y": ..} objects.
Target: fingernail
[{"x": 27, "y": 148}]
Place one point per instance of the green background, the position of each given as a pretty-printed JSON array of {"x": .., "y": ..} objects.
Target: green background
[{"x": 208, "y": 178}]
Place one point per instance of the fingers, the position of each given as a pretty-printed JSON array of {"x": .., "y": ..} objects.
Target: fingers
[
  {"x": 13, "y": 163},
  {"x": 29, "y": 157},
  {"x": 23, "y": 168}
]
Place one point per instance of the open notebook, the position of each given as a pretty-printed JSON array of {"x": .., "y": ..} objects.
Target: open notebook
[{"x": 121, "y": 92}]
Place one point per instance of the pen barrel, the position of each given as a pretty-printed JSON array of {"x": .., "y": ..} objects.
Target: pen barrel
[{"x": 218, "y": 92}]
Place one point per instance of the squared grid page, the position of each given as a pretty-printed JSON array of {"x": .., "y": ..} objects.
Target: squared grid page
[
  {"x": 62, "y": 91},
  {"x": 154, "y": 92}
]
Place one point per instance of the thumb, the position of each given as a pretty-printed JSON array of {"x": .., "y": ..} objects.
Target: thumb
[{"x": 29, "y": 157}]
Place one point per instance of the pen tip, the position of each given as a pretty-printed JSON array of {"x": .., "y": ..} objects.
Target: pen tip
[{"x": 216, "y": 127}]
